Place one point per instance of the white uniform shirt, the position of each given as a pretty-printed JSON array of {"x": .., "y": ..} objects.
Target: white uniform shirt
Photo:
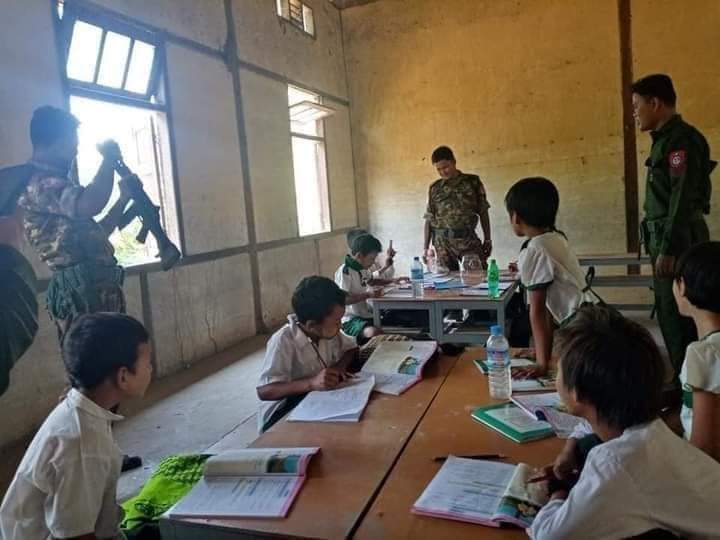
[
  {"x": 548, "y": 262},
  {"x": 354, "y": 282},
  {"x": 701, "y": 370},
  {"x": 290, "y": 356},
  {"x": 66, "y": 484},
  {"x": 379, "y": 273},
  {"x": 648, "y": 478}
]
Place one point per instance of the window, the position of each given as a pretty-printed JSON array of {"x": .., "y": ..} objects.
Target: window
[
  {"x": 113, "y": 76},
  {"x": 298, "y": 14},
  {"x": 309, "y": 164}
]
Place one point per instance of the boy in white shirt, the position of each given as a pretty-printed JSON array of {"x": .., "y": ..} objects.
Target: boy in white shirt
[
  {"x": 308, "y": 353},
  {"x": 641, "y": 477},
  {"x": 697, "y": 292},
  {"x": 387, "y": 270},
  {"x": 548, "y": 268},
  {"x": 65, "y": 486}
]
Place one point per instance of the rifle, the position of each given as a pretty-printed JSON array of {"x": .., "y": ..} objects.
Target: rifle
[{"x": 144, "y": 209}]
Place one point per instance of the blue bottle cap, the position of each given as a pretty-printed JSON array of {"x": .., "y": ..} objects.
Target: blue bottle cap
[{"x": 496, "y": 330}]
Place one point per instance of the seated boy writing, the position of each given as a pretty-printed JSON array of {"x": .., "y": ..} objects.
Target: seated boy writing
[
  {"x": 355, "y": 278},
  {"x": 384, "y": 271},
  {"x": 65, "y": 485},
  {"x": 697, "y": 293},
  {"x": 308, "y": 353},
  {"x": 548, "y": 267},
  {"x": 641, "y": 477}
]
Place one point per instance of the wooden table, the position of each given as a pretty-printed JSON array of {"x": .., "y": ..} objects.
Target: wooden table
[
  {"x": 437, "y": 301},
  {"x": 344, "y": 478},
  {"x": 447, "y": 428}
]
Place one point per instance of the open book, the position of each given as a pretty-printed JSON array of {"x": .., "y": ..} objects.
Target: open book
[
  {"x": 345, "y": 403},
  {"x": 551, "y": 409},
  {"x": 397, "y": 365},
  {"x": 255, "y": 482},
  {"x": 484, "y": 492},
  {"x": 541, "y": 384},
  {"x": 511, "y": 421}
]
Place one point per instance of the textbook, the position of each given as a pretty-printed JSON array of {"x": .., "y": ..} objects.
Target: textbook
[
  {"x": 398, "y": 365},
  {"x": 483, "y": 492},
  {"x": 345, "y": 403},
  {"x": 550, "y": 408},
  {"x": 541, "y": 384},
  {"x": 514, "y": 423},
  {"x": 254, "y": 482}
]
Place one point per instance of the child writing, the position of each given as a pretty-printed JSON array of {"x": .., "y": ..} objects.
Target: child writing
[
  {"x": 548, "y": 267},
  {"x": 355, "y": 278},
  {"x": 66, "y": 483},
  {"x": 697, "y": 293},
  {"x": 641, "y": 477},
  {"x": 308, "y": 353},
  {"x": 387, "y": 270}
]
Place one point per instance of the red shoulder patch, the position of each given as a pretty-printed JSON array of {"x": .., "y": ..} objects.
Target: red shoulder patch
[{"x": 677, "y": 161}]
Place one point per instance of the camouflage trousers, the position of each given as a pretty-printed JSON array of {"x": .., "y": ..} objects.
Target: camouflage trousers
[
  {"x": 450, "y": 251},
  {"x": 84, "y": 288}
]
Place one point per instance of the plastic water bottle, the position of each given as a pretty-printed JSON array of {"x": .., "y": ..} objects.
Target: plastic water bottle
[
  {"x": 498, "y": 362},
  {"x": 417, "y": 278},
  {"x": 493, "y": 279}
]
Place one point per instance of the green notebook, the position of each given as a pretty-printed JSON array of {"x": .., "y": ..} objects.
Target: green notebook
[{"x": 510, "y": 420}]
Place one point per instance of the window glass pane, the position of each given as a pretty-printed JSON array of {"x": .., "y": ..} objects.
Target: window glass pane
[
  {"x": 308, "y": 20},
  {"x": 83, "y": 51},
  {"x": 296, "y": 11},
  {"x": 296, "y": 95},
  {"x": 114, "y": 58},
  {"x": 283, "y": 8},
  {"x": 141, "y": 63},
  {"x": 311, "y": 191}
]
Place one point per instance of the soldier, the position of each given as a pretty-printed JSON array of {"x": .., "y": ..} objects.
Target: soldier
[
  {"x": 455, "y": 202},
  {"x": 677, "y": 196}
]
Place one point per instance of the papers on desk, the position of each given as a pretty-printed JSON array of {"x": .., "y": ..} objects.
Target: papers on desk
[
  {"x": 255, "y": 482},
  {"x": 550, "y": 408},
  {"x": 398, "y": 365},
  {"x": 343, "y": 404},
  {"x": 541, "y": 384},
  {"x": 484, "y": 492}
]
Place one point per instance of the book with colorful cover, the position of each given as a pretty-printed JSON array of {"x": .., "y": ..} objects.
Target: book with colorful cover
[
  {"x": 550, "y": 408},
  {"x": 484, "y": 492},
  {"x": 514, "y": 423},
  {"x": 398, "y": 365}
]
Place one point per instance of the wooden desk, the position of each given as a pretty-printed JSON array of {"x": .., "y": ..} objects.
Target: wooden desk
[
  {"x": 344, "y": 478},
  {"x": 446, "y": 428}
]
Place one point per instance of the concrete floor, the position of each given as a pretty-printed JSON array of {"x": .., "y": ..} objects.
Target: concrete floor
[{"x": 208, "y": 408}]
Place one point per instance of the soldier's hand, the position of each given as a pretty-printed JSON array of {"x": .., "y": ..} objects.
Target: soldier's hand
[
  {"x": 110, "y": 150},
  {"x": 487, "y": 247},
  {"x": 129, "y": 186},
  {"x": 665, "y": 267}
]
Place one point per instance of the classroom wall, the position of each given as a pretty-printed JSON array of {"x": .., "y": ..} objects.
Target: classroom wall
[
  {"x": 522, "y": 88},
  {"x": 206, "y": 304}
]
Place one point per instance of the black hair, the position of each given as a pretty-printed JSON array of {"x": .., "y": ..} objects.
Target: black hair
[
  {"x": 658, "y": 86},
  {"x": 442, "y": 153},
  {"x": 612, "y": 363},
  {"x": 365, "y": 244},
  {"x": 98, "y": 345},
  {"x": 352, "y": 234},
  {"x": 315, "y": 297},
  {"x": 699, "y": 268},
  {"x": 535, "y": 200},
  {"x": 49, "y": 124}
]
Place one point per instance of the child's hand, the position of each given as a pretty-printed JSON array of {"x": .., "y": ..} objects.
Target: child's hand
[
  {"x": 565, "y": 466},
  {"x": 390, "y": 251},
  {"x": 375, "y": 292},
  {"x": 402, "y": 279},
  {"x": 513, "y": 267},
  {"x": 327, "y": 379},
  {"x": 524, "y": 353},
  {"x": 529, "y": 372}
]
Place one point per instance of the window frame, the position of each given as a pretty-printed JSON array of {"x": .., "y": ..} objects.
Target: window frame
[{"x": 299, "y": 24}]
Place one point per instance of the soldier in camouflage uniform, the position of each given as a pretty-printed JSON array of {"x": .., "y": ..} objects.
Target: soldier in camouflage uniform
[
  {"x": 455, "y": 203},
  {"x": 677, "y": 197},
  {"x": 58, "y": 222}
]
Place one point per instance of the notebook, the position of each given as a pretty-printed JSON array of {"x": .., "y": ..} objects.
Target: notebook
[
  {"x": 514, "y": 423},
  {"x": 483, "y": 492},
  {"x": 550, "y": 408},
  {"x": 502, "y": 286},
  {"x": 398, "y": 365},
  {"x": 345, "y": 403},
  {"x": 255, "y": 482},
  {"x": 541, "y": 384}
]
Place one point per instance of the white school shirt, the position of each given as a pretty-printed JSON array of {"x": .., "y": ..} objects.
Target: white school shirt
[
  {"x": 548, "y": 262},
  {"x": 648, "y": 478},
  {"x": 700, "y": 371},
  {"x": 354, "y": 282},
  {"x": 290, "y": 356},
  {"x": 378, "y": 273},
  {"x": 66, "y": 484}
]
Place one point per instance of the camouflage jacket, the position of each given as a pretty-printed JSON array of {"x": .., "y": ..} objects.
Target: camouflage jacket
[
  {"x": 52, "y": 226},
  {"x": 456, "y": 203}
]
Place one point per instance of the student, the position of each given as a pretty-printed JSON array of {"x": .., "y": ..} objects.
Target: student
[
  {"x": 641, "y": 477},
  {"x": 697, "y": 293},
  {"x": 548, "y": 267},
  {"x": 65, "y": 486},
  {"x": 387, "y": 270},
  {"x": 308, "y": 353},
  {"x": 354, "y": 277}
]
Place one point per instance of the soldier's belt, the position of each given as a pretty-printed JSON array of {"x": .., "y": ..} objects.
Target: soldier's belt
[{"x": 452, "y": 233}]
